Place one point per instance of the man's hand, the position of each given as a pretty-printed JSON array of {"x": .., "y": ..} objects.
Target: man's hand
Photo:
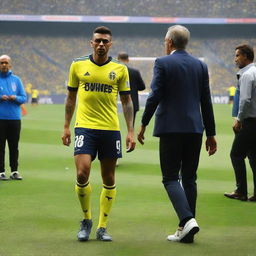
[
  {"x": 211, "y": 145},
  {"x": 130, "y": 142},
  {"x": 66, "y": 137},
  {"x": 141, "y": 134},
  {"x": 237, "y": 126},
  {"x": 5, "y": 97},
  {"x": 12, "y": 97}
]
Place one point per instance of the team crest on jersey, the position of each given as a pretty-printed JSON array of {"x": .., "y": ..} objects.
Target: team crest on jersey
[
  {"x": 112, "y": 75},
  {"x": 14, "y": 87}
]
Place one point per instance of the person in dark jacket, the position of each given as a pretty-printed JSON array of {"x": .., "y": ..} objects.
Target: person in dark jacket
[
  {"x": 136, "y": 82},
  {"x": 181, "y": 95},
  {"x": 12, "y": 95}
]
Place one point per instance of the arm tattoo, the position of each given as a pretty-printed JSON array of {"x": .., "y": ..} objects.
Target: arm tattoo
[
  {"x": 70, "y": 107},
  {"x": 128, "y": 110}
]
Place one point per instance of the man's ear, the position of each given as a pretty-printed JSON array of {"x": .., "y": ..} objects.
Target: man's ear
[{"x": 170, "y": 42}]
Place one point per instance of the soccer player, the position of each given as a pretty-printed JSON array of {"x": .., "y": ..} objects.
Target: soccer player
[
  {"x": 34, "y": 97},
  {"x": 231, "y": 91},
  {"x": 97, "y": 79}
]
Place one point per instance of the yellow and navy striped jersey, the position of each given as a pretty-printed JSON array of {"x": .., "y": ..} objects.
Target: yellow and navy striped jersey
[{"x": 98, "y": 87}]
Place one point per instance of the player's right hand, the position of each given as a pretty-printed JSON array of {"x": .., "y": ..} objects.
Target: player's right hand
[{"x": 66, "y": 137}]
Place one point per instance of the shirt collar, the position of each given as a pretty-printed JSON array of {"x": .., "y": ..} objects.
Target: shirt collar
[
  {"x": 172, "y": 52},
  {"x": 242, "y": 70},
  {"x": 6, "y": 74},
  {"x": 91, "y": 59}
]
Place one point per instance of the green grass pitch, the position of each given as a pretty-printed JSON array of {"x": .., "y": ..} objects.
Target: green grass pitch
[{"x": 40, "y": 215}]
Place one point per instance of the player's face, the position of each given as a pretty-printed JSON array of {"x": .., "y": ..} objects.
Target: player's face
[
  {"x": 240, "y": 59},
  {"x": 5, "y": 65},
  {"x": 101, "y": 43}
]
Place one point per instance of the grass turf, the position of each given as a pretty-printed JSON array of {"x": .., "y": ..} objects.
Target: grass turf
[{"x": 40, "y": 215}]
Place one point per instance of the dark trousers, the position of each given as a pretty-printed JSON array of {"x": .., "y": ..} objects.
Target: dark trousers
[
  {"x": 134, "y": 117},
  {"x": 10, "y": 132},
  {"x": 244, "y": 145},
  {"x": 179, "y": 158}
]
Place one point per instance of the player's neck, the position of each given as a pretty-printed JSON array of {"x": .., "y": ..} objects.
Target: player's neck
[{"x": 100, "y": 59}]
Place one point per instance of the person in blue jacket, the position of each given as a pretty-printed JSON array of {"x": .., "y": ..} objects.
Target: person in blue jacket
[{"x": 12, "y": 95}]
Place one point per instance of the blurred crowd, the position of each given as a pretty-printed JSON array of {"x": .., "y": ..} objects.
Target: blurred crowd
[
  {"x": 169, "y": 8},
  {"x": 44, "y": 61}
]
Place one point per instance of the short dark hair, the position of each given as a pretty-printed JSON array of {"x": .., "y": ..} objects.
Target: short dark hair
[
  {"x": 102, "y": 30},
  {"x": 247, "y": 50},
  {"x": 123, "y": 56}
]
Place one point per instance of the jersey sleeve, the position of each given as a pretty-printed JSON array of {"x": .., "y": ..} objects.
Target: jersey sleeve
[
  {"x": 73, "y": 81},
  {"x": 124, "y": 83},
  {"x": 21, "y": 96}
]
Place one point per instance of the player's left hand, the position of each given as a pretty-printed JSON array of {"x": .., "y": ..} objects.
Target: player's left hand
[
  {"x": 130, "y": 142},
  {"x": 66, "y": 137}
]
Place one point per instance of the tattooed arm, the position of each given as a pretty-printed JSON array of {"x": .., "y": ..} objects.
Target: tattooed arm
[
  {"x": 69, "y": 111},
  {"x": 128, "y": 115}
]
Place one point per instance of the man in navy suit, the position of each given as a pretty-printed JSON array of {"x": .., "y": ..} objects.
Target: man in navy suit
[
  {"x": 181, "y": 95},
  {"x": 136, "y": 83}
]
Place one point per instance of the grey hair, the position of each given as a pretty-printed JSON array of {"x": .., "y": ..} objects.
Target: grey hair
[{"x": 179, "y": 35}]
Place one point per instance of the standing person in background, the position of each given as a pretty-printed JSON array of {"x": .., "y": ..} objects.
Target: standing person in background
[
  {"x": 12, "y": 95},
  {"x": 136, "y": 83},
  {"x": 244, "y": 143},
  {"x": 97, "y": 79},
  {"x": 181, "y": 95},
  {"x": 231, "y": 93},
  {"x": 34, "y": 97},
  {"x": 28, "y": 90}
]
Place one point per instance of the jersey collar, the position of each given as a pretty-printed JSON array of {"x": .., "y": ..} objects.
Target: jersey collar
[{"x": 91, "y": 59}]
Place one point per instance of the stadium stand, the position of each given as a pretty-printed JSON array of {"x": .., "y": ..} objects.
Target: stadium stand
[
  {"x": 42, "y": 52},
  {"x": 44, "y": 61},
  {"x": 169, "y": 8}
]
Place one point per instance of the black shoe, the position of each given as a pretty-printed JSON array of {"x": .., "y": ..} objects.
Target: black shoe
[
  {"x": 252, "y": 198},
  {"x": 235, "y": 195},
  {"x": 85, "y": 230}
]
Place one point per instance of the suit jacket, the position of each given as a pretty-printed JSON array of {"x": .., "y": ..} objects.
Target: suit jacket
[
  {"x": 181, "y": 95},
  {"x": 136, "y": 84}
]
